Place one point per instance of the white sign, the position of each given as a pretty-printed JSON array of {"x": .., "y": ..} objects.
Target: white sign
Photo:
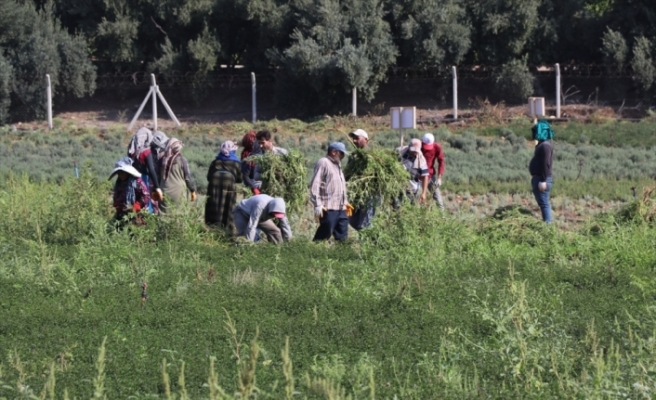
[
  {"x": 404, "y": 117},
  {"x": 536, "y": 107}
]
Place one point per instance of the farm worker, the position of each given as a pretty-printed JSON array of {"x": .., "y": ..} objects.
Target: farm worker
[
  {"x": 222, "y": 178},
  {"x": 257, "y": 212},
  {"x": 361, "y": 217},
  {"x": 414, "y": 162},
  {"x": 158, "y": 144},
  {"x": 174, "y": 174},
  {"x": 360, "y": 138},
  {"x": 247, "y": 142},
  {"x": 142, "y": 158},
  {"x": 130, "y": 191},
  {"x": 432, "y": 151},
  {"x": 328, "y": 195},
  {"x": 540, "y": 167},
  {"x": 251, "y": 172}
]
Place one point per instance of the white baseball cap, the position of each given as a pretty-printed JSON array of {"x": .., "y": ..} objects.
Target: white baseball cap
[
  {"x": 360, "y": 132},
  {"x": 428, "y": 138}
]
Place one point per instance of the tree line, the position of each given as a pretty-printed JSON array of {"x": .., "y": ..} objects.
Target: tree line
[{"x": 319, "y": 49}]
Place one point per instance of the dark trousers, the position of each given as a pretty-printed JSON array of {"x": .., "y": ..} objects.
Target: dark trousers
[{"x": 333, "y": 223}]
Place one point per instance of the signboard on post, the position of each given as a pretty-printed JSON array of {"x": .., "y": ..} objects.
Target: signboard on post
[
  {"x": 536, "y": 107},
  {"x": 403, "y": 118}
]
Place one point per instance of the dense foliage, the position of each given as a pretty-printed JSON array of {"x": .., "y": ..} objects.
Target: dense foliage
[
  {"x": 319, "y": 49},
  {"x": 32, "y": 44}
]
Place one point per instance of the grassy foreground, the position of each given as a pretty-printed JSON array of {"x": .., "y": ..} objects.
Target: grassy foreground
[{"x": 418, "y": 307}]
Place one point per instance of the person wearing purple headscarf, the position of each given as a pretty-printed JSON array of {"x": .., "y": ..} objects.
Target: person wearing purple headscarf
[{"x": 222, "y": 177}]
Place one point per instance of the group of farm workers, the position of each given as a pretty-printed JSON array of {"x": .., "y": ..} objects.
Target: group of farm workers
[{"x": 154, "y": 173}]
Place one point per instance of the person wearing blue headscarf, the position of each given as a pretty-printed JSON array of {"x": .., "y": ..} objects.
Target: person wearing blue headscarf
[
  {"x": 540, "y": 167},
  {"x": 222, "y": 177}
]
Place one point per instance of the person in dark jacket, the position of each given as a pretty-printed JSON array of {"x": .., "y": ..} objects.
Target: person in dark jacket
[
  {"x": 140, "y": 152},
  {"x": 540, "y": 168},
  {"x": 251, "y": 172}
]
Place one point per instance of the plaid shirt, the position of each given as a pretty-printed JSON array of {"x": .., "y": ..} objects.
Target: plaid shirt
[{"x": 328, "y": 186}]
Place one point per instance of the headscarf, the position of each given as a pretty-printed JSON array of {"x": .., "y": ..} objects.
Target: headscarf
[
  {"x": 172, "y": 151},
  {"x": 140, "y": 142},
  {"x": 542, "y": 131},
  {"x": 159, "y": 142},
  {"x": 227, "y": 152},
  {"x": 248, "y": 141}
]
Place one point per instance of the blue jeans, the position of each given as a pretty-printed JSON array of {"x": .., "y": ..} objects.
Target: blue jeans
[
  {"x": 333, "y": 223},
  {"x": 542, "y": 198}
]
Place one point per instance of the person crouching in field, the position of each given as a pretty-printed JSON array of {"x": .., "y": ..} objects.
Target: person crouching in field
[
  {"x": 540, "y": 167},
  {"x": 257, "y": 212},
  {"x": 222, "y": 178},
  {"x": 328, "y": 195},
  {"x": 175, "y": 177},
  {"x": 140, "y": 152},
  {"x": 414, "y": 162},
  {"x": 131, "y": 194},
  {"x": 432, "y": 152}
]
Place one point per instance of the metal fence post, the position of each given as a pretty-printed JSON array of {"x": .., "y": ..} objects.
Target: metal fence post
[
  {"x": 455, "y": 92},
  {"x": 153, "y": 84},
  {"x": 49, "y": 101},
  {"x": 558, "y": 91},
  {"x": 254, "y": 90},
  {"x": 354, "y": 102}
]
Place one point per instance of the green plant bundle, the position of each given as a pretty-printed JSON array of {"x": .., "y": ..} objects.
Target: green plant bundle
[
  {"x": 284, "y": 176},
  {"x": 374, "y": 174}
]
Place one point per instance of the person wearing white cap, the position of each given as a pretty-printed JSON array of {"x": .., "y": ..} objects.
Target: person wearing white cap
[
  {"x": 130, "y": 192},
  {"x": 361, "y": 217},
  {"x": 328, "y": 195},
  {"x": 432, "y": 152},
  {"x": 360, "y": 138},
  {"x": 414, "y": 162},
  {"x": 257, "y": 212}
]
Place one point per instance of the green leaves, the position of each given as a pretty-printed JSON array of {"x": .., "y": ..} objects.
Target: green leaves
[{"x": 374, "y": 176}]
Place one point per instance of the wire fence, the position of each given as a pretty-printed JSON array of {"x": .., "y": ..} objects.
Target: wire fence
[{"x": 228, "y": 95}]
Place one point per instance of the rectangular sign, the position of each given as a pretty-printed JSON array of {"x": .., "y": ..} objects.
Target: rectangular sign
[{"x": 403, "y": 117}]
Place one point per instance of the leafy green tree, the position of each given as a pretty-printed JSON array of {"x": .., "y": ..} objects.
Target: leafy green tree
[
  {"x": 33, "y": 44},
  {"x": 514, "y": 81},
  {"x": 503, "y": 28},
  {"x": 614, "y": 49},
  {"x": 643, "y": 64},
  {"x": 337, "y": 45},
  {"x": 6, "y": 76},
  {"x": 431, "y": 33}
]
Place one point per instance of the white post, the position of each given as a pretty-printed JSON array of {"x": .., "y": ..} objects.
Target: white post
[
  {"x": 354, "y": 102},
  {"x": 141, "y": 107},
  {"x": 455, "y": 92},
  {"x": 49, "y": 101},
  {"x": 167, "y": 107},
  {"x": 153, "y": 89},
  {"x": 558, "y": 91},
  {"x": 254, "y": 94}
]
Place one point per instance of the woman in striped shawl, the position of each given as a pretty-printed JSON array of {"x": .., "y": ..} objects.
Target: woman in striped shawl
[{"x": 222, "y": 177}]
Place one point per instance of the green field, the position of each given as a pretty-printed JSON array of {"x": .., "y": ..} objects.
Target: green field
[{"x": 420, "y": 306}]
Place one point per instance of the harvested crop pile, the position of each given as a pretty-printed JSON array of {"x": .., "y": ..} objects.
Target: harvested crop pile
[
  {"x": 374, "y": 174},
  {"x": 284, "y": 176}
]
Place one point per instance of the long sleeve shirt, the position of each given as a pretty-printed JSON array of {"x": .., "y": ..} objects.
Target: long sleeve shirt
[
  {"x": 328, "y": 186},
  {"x": 541, "y": 162},
  {"x": 433, "y": 152},
  {"x": 259, "y": 209}
]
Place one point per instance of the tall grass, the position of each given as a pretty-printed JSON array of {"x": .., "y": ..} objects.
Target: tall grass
[{"x": 418, "y": 306}]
